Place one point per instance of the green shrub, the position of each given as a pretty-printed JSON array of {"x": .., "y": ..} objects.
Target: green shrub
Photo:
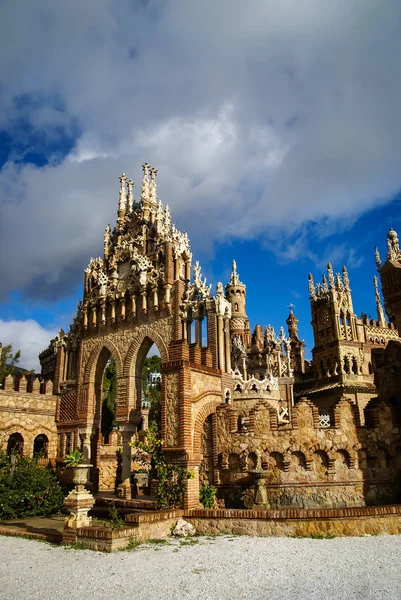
[
  {"x": 27, "y": 489},
  {"x": 206, "y": 496}
]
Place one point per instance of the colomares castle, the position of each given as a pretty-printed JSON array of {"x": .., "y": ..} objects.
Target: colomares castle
[{"x": 240, "y": 408}]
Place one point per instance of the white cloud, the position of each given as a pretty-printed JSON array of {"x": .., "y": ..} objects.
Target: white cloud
[
  {"x": 259, "y": 123},
  {"x": 27, "y": 336}
]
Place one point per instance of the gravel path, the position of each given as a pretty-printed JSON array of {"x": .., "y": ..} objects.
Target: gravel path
[{"x": 218, "y": 568}]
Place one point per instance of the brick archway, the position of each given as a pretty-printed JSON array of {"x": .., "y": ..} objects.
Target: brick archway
[
  {"x": 207, "y": 409},
  {"x": 91, "y": 363}
]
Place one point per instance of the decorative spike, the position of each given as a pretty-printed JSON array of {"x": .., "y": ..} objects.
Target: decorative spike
[
  {"x": 130, "y": 201},
  {"x": 106, "y": 242},
  {"x": 325, "y": 286},
  {"x": 153, "y": 187},
  {"x": 145, "y": 184},
  {"x": 234, "y": 279},
  {"x": 379, "y": 307},
  {"x": 345, "y": 277},
  {"x": 330, "y": 275},
  {"x": 377, "y": 257},
  {"x": 122, "y": 200}
]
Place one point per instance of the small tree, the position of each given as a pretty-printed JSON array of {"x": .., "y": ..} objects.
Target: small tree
[{"x": 8, "y": 360}]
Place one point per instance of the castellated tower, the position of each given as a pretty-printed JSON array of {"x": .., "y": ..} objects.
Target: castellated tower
[{"x": 236, "y": 295}]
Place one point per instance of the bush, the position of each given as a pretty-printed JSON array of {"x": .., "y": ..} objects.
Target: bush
[
  {"x": 207, "y": 494},
  {"x": 27, "y": 489}
]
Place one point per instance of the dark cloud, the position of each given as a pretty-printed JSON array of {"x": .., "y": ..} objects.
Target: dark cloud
[{"x": 261, "y": 118}]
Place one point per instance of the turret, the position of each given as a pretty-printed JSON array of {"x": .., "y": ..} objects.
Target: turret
[
  {"x": 297, "y": 345},
  {"x": 236, "y": 295}
]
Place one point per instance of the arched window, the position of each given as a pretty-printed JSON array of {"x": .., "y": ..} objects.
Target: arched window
[
  {"x": 15, "y": 444},
  {"x": 236, "y": 306},
  {"x": 40, "y": 446}
]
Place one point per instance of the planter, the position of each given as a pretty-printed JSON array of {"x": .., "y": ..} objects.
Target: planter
[{"x": 80, "y": 474}]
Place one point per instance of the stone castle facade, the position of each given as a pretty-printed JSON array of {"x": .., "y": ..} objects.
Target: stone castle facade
[{"x": 242, "y": 409}]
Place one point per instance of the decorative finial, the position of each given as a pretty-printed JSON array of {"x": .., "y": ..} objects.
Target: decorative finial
[
  {"x": 234, "y": 279},
  {"x": 153, "y": 186},
  {"x": 122, "y": 199},
  {"x": 145, "y": 184},
  {"x": 325, "y": 286},
  {"x": 345, "y": 278},
  {"x": 167, "y": 218},
  {"x": 377, "y": 257},
  {"x": 311, "y": 286},
  {"x": 330, "y": 275},
  {"x": 130, "y": 202},
  {"x": 106, "y": 241},
  {"x": 393, "y": 246}
]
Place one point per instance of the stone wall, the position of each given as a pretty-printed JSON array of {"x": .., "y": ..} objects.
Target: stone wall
[
  {"x": 307, "y": 465},
  {"x": 30, "y": 414},
  {"x": 383, "y": 520}
]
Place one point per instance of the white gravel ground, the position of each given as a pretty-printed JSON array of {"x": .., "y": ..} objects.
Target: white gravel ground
[{"x": 223, "y": 567}]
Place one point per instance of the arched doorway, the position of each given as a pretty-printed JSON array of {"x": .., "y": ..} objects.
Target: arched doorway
[
  {"x": 15, "y": 444},
  {"x": 148, "y": 385},
  {"x": 40, "y": 446},
  {"x": 104, "y": 409}
]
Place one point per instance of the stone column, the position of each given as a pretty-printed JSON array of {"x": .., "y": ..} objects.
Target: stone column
[
  {"x": 124, "y": 489},
  {"x": 227, "y": 341},
  {"x": 220, "y": 338}
]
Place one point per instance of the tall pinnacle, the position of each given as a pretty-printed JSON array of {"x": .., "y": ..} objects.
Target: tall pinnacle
[
  {"x": 379, "y": 307},
  {"x": 122, "y": 198},
  {"x": 234, "y": 279}
]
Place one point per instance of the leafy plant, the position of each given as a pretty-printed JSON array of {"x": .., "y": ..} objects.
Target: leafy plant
[
  {"x": 207, "y": 494},
  {"x": 74, "y": 458},
  {"x": 115, "y": 519},
  {"x": 27, "y": 489},
  {"x": 171, "y": 479}
]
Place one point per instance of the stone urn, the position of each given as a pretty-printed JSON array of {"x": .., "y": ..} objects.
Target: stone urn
[
  {"x": 79, "y": 501},
  {"x": 80, "y": 475}
]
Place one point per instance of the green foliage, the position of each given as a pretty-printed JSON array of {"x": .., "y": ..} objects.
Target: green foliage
[
  {"x": 115, "y": 519},
  {"x": 74, "y": 458},
  {"x": 8, "y": 360},
  {"x": 171, "y": 480},
  {"x": 26, "y": 489},
  {"x": 207, "y": 494},
  {"x": 109, "y": 402}
]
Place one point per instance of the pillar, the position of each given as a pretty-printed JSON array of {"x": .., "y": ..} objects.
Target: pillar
[
  {"x": 220, "y": 338},
  {"x": 227, "y": 341},
  {"x": 124, "y": 489}
]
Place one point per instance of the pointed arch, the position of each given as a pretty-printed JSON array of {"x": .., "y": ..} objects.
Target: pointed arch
[
  {"x": 91, "y": 363},
  {"x": 145, "y": 336}
]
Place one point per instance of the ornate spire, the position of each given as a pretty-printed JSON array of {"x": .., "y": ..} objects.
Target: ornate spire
[
  {"x": 122, "y": 199},
  {"x": 325, "y": 286},
  {"x": 145, "y": 184},
  {"x": 130, "y": 201},
  {"x": 234, "y": 279},
  {"x": 153, "y": 187},
  {"x": 380, "y": 312},
  {"x": 345, "y": 278},
  {"x": 106, "y": 242}
]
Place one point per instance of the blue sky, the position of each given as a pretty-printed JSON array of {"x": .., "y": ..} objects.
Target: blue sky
[{"x": 276, "y": 132}]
